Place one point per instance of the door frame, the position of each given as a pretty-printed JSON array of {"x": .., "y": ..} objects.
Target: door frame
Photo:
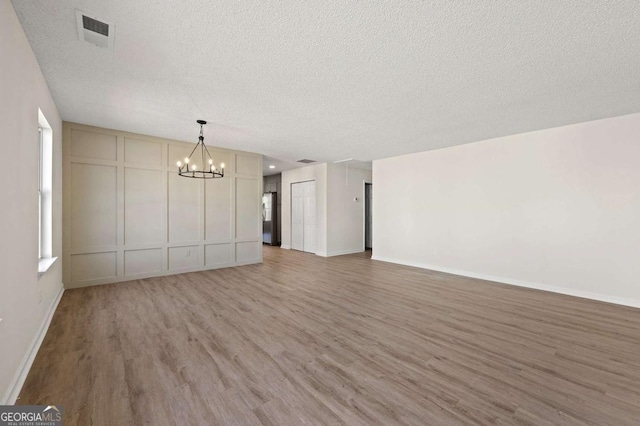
[{"x": 364, "y": 213}]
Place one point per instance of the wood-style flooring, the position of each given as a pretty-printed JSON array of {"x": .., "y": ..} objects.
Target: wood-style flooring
[{"x": 303, "y": 339}]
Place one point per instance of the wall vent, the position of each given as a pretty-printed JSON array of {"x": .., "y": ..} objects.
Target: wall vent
[
  {"x": 306, "y": 161},
  {"x": 94, "y": 30}
]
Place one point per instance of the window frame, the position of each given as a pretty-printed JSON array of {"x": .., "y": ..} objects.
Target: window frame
[{"x": 45, "y": 195}]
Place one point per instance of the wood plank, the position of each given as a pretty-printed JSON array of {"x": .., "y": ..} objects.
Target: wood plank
[{"x": 302, "y": 339}]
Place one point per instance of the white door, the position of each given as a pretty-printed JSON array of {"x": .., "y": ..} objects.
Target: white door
[
  {"x": 297, "y": 216},
  {"x": 310, "y": 217},
  {"x": 303, "y": 216}
]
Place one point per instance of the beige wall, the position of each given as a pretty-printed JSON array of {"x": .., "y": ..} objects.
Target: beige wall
[
  {"x": 25, "y": 299},
  {"x": 345, "y": 216},
  {"x": 556, "y": 209},
  {"x": 128, "y": 215}
]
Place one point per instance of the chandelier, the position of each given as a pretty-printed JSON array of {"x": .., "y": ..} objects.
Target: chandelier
[{"x": 200, "y": 157}]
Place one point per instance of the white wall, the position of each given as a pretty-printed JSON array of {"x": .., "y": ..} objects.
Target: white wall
[
  {"x": 318, "y": 173},
  {"x": 345, "y": 217},
  {"x": 128, "y": 215},
  {"x": 25, "y": 299},
  {"x": 556, "y": 209}
]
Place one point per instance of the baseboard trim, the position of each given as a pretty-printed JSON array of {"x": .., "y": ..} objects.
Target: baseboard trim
[
  {"x": 13, "y": 392},
  {"x": 284, "y": 246},
  {"x": 343, "y": 252},
  {"x": 134, "y": 277},
  {"x": 508, "y": 281}
]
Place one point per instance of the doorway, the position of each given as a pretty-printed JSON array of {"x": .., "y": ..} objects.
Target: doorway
[
  {"x": 303, "y": 216},
  {"x": 368, "y": 216}
]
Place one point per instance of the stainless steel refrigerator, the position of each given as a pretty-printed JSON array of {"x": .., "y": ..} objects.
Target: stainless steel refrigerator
[{"x": 269, "y": 218}]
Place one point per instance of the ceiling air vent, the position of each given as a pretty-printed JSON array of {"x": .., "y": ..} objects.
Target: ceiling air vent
[
  {"x": 94, "y": 30},
  {"x": 306, "y": 161}
]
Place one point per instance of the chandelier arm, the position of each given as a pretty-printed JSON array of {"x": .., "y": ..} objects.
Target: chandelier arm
[
  {"x": 202, "y": 153},
  {"x": 200, "y": 140},
  {"x": 206, "y": 149},
  {"x": 194, "y": 150}
]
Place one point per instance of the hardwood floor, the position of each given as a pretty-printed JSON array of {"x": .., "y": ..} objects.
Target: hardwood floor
[{"x": 345, "y": 340}]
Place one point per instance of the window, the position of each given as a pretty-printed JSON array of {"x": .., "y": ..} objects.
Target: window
[
  {"x": 40, "y": 164},
  {"x": 45, "y": 190}
]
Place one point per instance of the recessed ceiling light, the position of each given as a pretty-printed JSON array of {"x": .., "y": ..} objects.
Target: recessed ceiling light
[{"x": 272, "y": 166}]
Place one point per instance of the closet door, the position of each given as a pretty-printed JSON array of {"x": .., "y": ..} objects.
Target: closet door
[
  {"x": 297, "y": 216},
  {"x": 310, "y": 217}
]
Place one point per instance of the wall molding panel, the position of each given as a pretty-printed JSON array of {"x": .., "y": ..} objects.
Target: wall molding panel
[{"x": 128, "y": 215}]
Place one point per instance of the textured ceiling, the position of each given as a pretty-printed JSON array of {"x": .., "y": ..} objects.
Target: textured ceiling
[
  {"x": 330, "y": 80},
  {"x": 279, "y": 165}
]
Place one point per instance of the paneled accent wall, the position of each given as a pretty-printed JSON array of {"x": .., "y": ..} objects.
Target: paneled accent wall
[{"x": 128, "y": 215}]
